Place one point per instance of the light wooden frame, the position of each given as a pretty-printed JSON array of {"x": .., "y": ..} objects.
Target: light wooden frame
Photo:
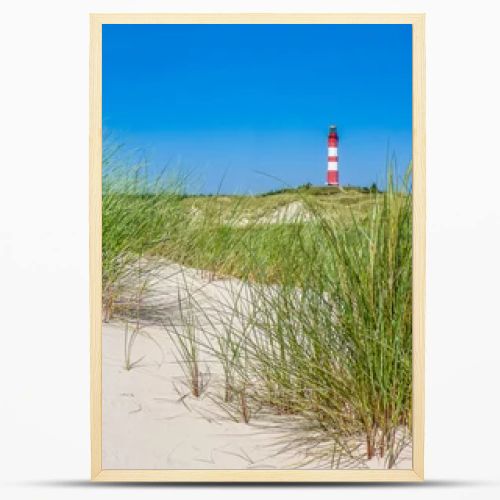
[{"x": 417, "y": 473}]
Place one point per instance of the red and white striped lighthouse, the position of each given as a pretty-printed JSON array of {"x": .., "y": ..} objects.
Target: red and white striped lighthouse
[{"x": 332, "y": 176}]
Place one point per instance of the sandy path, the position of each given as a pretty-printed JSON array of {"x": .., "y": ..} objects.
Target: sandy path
[
  {"x": 146, "y": 425},
  {"x": 150, "y": 421}
]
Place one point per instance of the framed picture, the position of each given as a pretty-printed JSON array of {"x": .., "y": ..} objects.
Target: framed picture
[{"x": 257, "y": 247}]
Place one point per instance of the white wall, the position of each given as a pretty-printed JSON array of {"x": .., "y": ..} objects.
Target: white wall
[{"x": 43, "y": 246}]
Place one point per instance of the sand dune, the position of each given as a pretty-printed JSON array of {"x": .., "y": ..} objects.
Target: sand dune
[{"x": 150, "y": 420}]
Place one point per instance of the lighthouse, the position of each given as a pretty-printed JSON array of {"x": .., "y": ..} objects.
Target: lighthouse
[{"x": 332, "y": 175}]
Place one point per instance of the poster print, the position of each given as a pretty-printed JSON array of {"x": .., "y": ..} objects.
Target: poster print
[{"x": 257, "y": 276}]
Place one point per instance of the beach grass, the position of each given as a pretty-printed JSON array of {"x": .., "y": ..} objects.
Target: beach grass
[
  {"x": 319, "y": 321},
  {"x": 137, "y": 215},
  {"x": 337, "y": 349}
]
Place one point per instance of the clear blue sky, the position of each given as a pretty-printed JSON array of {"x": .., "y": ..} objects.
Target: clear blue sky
[{"x": 229, "y": 101}]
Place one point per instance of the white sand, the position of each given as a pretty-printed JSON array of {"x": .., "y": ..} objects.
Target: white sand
[
  {"x": 292, "y": 212},
  {"x": 150, "y": 421},
  {"x": 146, "y": 425},
  {"x": 295, "y": 211}
]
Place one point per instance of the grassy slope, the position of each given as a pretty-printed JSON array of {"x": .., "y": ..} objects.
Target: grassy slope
[
  {"x": 337, "y": 201},
  {"x": 345, "y": 368},
  {"x": 233, "y": 236}
]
